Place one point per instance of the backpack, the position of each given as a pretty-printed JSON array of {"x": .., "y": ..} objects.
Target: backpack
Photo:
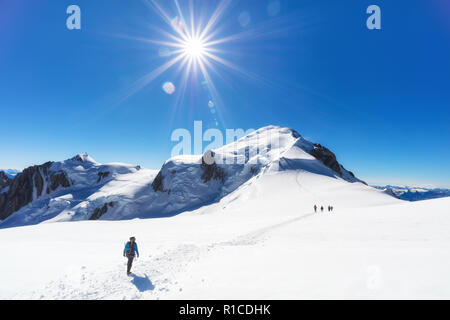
[{"x": 131, "y": 249}]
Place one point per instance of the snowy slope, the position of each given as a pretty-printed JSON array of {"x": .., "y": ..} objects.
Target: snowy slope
[
  {"x": 119, "y": 191},
  {"x": 261, "y": 241}
]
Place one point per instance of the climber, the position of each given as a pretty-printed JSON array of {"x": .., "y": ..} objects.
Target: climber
[{"x": 130, "y": 251}]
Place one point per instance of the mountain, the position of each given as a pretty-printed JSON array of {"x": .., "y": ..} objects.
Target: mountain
[
  {"x": 82, "y": 189},
  {"x": 10, "y": 173},
  {"x": 414, "y": 193},
  {"x": 223, "y": 225},
  {"x": 258, "y": 239},
  {"x": 45, "y": 191}
]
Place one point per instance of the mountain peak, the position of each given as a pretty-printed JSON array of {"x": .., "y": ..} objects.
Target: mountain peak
[
  {"x": 279, "y": 130},
  {"x": 83, "y": 157}
]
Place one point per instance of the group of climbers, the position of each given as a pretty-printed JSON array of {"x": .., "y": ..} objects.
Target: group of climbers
[{"x": 330, "y": 208}]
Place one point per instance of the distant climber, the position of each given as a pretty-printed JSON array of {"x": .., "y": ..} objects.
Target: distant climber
[
  {"x": 321, "y": 208},
  {"x": 130, "y": 251},
  {"x": 315, "y": 208},
  {"x": 329, "y": 208}
]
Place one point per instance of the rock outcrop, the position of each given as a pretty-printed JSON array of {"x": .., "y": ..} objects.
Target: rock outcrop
[
  {"x": 157, "y": 184},
  {"x": 29, "y": 185},
  {"x": 210, "y": 168},
  {"x": 5, "y": 181},
  {"x": 102, "y": 175},
  {"x": 329, "y": 159},
  {"x": 98, "y": 212}
]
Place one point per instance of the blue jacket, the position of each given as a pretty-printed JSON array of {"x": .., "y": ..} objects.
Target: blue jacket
[{"x": 133, "y": 251}]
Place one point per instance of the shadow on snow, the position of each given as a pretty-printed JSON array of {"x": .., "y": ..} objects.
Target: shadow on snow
[{"x": 142, "y": 283}]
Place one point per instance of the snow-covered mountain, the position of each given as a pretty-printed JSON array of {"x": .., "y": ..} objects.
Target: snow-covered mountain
[
  {"x": 247, "y": 229},
  {"x": 75, "y": 189},
  {"x": 260, "y": 241},
  {"x": 82, "y": 189},
  {"x": 415, "y": 193}
]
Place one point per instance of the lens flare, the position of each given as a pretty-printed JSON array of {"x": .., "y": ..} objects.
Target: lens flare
[
  {"x": 168, "y": 87},
  {"x": 177, "y": 24},
  {"x": 244, "y": 19},
  {"x": 196, "y": 44}
]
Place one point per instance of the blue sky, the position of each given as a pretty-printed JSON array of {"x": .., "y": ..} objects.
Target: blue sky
[{"x": 379, "y": 99}]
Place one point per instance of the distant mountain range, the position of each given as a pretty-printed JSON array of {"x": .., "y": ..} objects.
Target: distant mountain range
[
  {"x": 10, "y": 173},
  {"x": 414, "y": 193}
]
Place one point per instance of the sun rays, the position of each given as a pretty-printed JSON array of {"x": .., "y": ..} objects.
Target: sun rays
[
  {"x": 190, "y": 45},
  {"x": 197, "y": 48},
  {"x": 191, "y": 41}
]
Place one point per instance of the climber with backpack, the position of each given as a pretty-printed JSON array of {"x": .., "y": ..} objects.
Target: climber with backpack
[{"x": 130, "y": 251}]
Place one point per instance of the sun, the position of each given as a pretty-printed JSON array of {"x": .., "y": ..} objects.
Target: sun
[
  {"x": 194, "y": 48},
  {"x": 199, "y": 45}
]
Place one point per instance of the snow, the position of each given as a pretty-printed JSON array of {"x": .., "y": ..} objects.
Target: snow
[
  {"x": 253, "y": 235},
  {"x": 261, "y": 242}
]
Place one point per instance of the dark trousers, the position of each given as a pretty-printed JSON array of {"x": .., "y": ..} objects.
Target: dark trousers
[{"x": 130, "y": 262}]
